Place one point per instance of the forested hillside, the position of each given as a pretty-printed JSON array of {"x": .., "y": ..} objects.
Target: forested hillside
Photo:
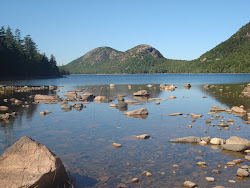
[
  {"x": 231, "y": 56},
  {"x": 20, "y": 57}
]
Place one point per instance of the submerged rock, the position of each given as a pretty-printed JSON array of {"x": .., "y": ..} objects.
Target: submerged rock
[
  {"x": 28, "y": 163},
  {"x": 190, "y": 139}
]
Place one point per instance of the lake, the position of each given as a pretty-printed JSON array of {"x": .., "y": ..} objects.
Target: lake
[{"x": 83, "y": 139}]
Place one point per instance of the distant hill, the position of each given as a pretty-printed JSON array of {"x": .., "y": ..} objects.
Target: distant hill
[{"x": 231, "y": 56}]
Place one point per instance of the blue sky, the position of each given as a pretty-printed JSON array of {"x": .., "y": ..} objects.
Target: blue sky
[{"x": 179, "y": 29}]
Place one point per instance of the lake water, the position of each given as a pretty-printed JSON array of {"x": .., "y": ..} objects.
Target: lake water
[{"x": 83, "y": 139}]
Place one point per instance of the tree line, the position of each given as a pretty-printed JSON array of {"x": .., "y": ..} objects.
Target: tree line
[{"x": 20, "y": 57}]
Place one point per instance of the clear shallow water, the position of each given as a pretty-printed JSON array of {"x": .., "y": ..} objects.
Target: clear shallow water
[{"x": 83, "y": 139}]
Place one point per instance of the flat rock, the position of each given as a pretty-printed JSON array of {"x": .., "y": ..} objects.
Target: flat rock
[
  {"x": 142, "y": 111},
  {"x": 209, "y": 179},
  {"x": 116, "y": 145},
  {"x": 141, "y": 93},
  {"x": 217, "y": 109},
  {"x": 143, "y": 136},
  {"x": 190, "y": 139},
  {"x": 238, "y": 109},
  {"x": 28, "y": 163},
  {"x": 66, "y": 106},
  {"x": 45, "y": 97},
  {"x": 175, "y": 114}
]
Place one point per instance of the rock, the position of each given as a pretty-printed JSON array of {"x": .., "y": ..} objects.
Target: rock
[
  {"x": 203, "y": 143},
  {"x": 223, "y": 125},
  {"x": 206, "y": 86},
  {"x": 149, "y": 85},
  {"x": 201, "y": 163},
  {"x": 247, "y": 151},
  {"x": 157, "y": 103},
  {"x": 143, "y": 136},
  {"x": 141, "y": 93},
  {"x": 176, "y": 114},
  {"x": 142, "y": 111},
  {"x": 247, "y": 158},
  {"x": 217, "y": 141},
  {"x": 187, "y": 85},
  {"x": 135, "y": 180},
  {"x": 232, "y": 163},
  {"x": 189, "y": 126},
  {"x": 238, "y": 161},
  {"x": 190, "y": 139},
  {"x": 215, "y": 171},
  {"x": 3, "y": 108},
  {"x": 195, "y": 116},
  {"x": 88, "y": 97},
  {"x": 45, "y": 112},
  {"x": 242, "y": 173},
  {"x": 231, "y": 181},
  {"x": 123, "y": 105},
  {"x": 234, "y": 147},
  {"x": 237, "y": 109},
  {"x": 30, "y": 164},
  {"x": 238, "y": 140},
  {"x": 112, "y": 105},
  {"x": 103, "y": 99},
  {"x": 230, "y": 120},
  {"x": 189, "y": 184},
  {"x": 45, "y": 97},
  {"x": 172, "y": 97},
  {"x": 170, "y": 88},
  {"x": 175, "y": 166},
  {"x": 217, "y": 109},
  {"x": 120, "y": 98},
  {"x": 209, "y": 179},
  {"x": 144, "y": 172},
  {"x": 148, "y": 174},
  {"x": 116, "y": 145},
  {"x": 111, "y": 85}
]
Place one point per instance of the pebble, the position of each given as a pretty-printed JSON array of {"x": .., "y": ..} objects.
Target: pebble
[
  {"x": 148, "y": 174},
  {"x": 200, "y": 152},
  {"x": 238, "y": 161},
  {"x": 215, "y": 171},
  {"x": 189, "y": 126},
  {"x": 205, "y": 131},
  {"x": 247, "y": 157},
  {"x": 157, "y": 103},
  {"x": 232, "y": 181},
  {"x": 175, "y": 166},
  {"x": 231, "y": 163},
  {"x": 116, "y": 145},
  {"x": 201, "y": 163},
  {"x": 189, "y": 184},
  {"x": 209, "y": 179},
  {"x": 135, "y": 180}
]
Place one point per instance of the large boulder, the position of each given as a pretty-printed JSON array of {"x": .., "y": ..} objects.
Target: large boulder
[
  {"x": 238, "y": 140},
  {"x": 28, "y": 163},
  {"x": 190, "y": 139}
]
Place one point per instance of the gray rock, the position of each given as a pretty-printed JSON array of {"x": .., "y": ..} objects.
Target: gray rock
[
  {"x": 30, "y": 164},
  {"x": 238, "y": 140},
  {"x": 190, "y": 139}
]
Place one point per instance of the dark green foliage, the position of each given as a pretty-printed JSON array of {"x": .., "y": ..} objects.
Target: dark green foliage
[
  {"x": 19, "y": 58},
  {"x": 231, "y": 56}
]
